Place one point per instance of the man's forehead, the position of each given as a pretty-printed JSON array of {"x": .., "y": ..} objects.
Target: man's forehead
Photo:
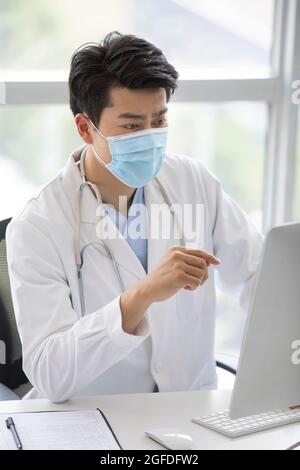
[
  {"x": 128, "y": 98},
  {"x": 130, "y": 115}
]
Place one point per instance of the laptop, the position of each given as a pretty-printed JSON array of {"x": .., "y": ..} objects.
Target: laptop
[{"x": 267, "y": 383}]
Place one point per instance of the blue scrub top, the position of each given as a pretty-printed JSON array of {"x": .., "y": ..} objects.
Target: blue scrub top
[{"x": 133, "y": 228}]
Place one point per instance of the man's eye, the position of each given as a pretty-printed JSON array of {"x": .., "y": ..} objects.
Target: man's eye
[
  {"x": 131, "y": 126},
  {"x": 161, "y": 122}
]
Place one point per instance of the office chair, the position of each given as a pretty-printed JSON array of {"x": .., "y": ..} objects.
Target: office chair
[
  {"x": 11, "y": 372},
  {"x": 226, "y": 362},
  {"x": 226, "y": 370}
]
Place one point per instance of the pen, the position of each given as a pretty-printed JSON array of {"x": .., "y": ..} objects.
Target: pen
[{"x": 11, "y": 426}]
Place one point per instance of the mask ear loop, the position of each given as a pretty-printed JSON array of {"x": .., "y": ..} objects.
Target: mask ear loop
[
  {"x": 96, "y": 129},
  {"x": 98, "y": 157}
]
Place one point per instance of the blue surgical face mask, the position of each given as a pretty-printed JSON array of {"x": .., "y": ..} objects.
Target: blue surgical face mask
[{"x": 136, "y": 158}]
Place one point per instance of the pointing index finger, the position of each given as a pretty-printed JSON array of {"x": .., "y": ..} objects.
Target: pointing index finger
[{"x": 208, "y": 257}]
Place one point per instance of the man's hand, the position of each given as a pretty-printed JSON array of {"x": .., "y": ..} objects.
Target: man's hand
[{"x": 180, "y": 268}]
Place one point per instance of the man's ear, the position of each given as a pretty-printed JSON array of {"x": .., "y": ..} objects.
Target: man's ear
[{"x": 83, "y": 128}]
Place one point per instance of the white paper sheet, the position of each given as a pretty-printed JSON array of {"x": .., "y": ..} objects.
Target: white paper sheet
[{"x": 71, "y": 430}]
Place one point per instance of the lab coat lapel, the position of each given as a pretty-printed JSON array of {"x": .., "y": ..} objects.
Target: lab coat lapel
[{"x": 157, "y": 246}]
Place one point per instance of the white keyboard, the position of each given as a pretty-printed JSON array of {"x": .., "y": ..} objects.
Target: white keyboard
[{"x": 222, "y": 423}]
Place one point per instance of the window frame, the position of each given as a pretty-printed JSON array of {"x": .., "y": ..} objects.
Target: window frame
[{"x": 276, "y": 91}]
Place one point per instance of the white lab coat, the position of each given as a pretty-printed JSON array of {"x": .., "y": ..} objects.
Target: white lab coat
[{"x": 65, "y": 354}]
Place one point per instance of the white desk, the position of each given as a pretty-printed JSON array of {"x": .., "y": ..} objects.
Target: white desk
[{"x": 130, "y": 415}]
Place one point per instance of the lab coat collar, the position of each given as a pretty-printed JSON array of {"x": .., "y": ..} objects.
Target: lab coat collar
[{"x": 71, "y": 181}]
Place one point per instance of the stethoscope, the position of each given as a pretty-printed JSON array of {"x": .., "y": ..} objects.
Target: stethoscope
[{"x": 79, "y": 252}]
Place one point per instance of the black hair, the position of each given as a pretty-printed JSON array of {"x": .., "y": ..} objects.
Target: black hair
[{"x": 120, "y": 60}]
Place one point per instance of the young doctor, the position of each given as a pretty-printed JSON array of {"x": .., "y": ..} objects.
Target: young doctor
[{"x": 102, "y": 314}]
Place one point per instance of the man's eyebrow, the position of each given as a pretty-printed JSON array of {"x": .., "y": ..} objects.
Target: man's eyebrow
[{"x": 139, "y": 116}]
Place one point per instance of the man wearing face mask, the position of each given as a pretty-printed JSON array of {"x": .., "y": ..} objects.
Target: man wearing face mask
[{"x": 129, "y": 312}]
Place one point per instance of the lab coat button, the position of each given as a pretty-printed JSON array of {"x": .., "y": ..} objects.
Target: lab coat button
[{"x": 157, "y": 367}]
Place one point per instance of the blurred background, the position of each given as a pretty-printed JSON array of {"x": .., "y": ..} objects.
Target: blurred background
[{"x": 232, "y": 109}]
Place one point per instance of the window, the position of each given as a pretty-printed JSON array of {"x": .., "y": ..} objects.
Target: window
[
  {"x": 225, "y": 136},
  {"x": 233, "y": 110},
  {"x": 230, "y": 38},
  {"x": 43, "y": 35},
  {"x": 35, "y": 141},
  {"x": 228, "y": 35}
]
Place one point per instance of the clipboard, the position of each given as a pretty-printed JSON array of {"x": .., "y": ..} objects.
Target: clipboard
[
  {"x": 110, "y": 428},
  {"x": 59, "y": 430}
]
